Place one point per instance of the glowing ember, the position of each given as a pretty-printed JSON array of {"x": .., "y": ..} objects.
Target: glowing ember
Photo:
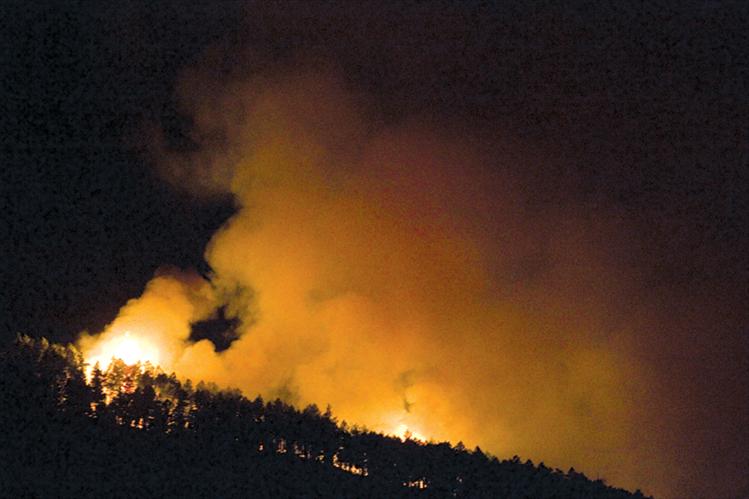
[{"x": 127, "y": 347}]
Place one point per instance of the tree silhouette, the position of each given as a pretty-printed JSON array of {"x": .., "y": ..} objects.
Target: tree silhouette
[{"x": 133, "y": 431}]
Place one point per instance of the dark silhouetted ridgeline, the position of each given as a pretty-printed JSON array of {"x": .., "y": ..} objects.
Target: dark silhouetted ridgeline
[{"x": 133, "y": 431}]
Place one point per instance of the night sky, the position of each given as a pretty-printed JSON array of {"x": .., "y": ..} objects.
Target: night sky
[{"x": 629, "y": 120}]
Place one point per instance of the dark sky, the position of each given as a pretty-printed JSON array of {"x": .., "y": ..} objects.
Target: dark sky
[
  {"x": 646, "y": 102},
  {"x": 641, "y": 109}
]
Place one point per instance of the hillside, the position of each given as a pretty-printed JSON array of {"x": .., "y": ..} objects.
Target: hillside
[{"x": 134, "y": 431}]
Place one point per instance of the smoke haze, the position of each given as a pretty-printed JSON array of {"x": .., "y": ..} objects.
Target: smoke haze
[{"x": 420, "y": 272}]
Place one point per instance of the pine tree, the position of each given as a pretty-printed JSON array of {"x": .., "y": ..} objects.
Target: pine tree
[{"x": 98, "y": 397}]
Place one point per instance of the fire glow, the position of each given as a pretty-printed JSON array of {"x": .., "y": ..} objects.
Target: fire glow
[
  {"x": 405, "y": 433},
  {"x": 364, "y": 275},
  {"x": 126, "y": 346}
]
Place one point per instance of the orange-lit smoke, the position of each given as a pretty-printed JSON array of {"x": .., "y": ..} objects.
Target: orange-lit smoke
[
  {"x": 403, "y": 275},
  {"x": 154, "y": 327}
]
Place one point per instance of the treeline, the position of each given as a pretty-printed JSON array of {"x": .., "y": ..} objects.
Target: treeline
[{"x": 133, "y": 431}]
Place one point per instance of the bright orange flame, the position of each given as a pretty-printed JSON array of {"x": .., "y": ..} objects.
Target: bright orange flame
[
  {"x": 127, "y": 347},
  {"x": 405, "y": 433}
]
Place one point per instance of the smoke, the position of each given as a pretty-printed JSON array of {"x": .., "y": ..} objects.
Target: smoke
[
  {"x": 414, "y": 273},
  {"x": 155, "y": 326}
]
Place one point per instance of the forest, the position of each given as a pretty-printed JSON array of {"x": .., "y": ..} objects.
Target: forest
[{"x": 72, "y": 430}]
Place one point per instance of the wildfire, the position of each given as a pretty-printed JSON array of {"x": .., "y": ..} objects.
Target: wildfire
[
  {"x": 405, "y": 433},
  {"x": 128, "y": 347}
]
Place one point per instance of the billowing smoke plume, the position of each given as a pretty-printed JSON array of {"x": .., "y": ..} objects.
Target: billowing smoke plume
[
  {"x": 155, "y": 326},
  {"x": 410, "y": 274}
]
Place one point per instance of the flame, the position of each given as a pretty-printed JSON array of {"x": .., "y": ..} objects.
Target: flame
[
  {"x": 126, "y": 346},
  {"x": 405, "y": 433}
]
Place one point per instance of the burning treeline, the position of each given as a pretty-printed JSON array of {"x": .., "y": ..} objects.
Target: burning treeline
[
  {"x": 405, "y": 274},
  {"x": 166, "y": 438}
]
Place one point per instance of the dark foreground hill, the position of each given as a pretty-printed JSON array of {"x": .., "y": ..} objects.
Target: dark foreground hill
[{"x": 133, "y": 431}]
